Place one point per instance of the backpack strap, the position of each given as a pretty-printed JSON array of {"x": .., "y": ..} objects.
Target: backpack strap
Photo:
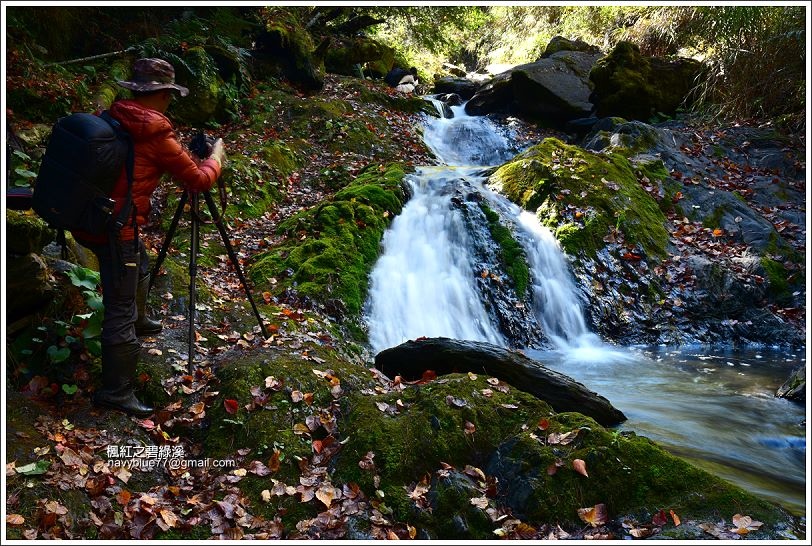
[{"x": 128, "y": 210}]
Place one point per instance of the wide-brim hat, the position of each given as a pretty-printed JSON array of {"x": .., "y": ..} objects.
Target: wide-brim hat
[{"x": 152, "y": 75}]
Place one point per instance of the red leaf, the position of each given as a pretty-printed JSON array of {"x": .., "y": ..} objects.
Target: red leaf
[
  {"x": 659, "y": 518},
  {"x": 231, "y": 405},
  {"x": 543, "y": 424}
]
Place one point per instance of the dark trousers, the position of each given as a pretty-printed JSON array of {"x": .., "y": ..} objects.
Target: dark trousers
[{"x": 119, "y": 284}]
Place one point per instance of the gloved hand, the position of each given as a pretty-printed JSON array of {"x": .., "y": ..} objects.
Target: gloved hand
[{"x": 218, "y": 151}]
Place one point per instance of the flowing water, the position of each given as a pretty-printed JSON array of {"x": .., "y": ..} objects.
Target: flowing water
[{"x": 713, "y": 408}]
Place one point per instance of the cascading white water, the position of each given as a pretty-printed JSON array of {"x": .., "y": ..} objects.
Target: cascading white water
[{"x": 424, "y": 282}]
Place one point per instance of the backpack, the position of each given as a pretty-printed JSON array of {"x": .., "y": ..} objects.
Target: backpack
[
  {"x": 394, "y": 76},
  {"x": 81, "y": 165}
]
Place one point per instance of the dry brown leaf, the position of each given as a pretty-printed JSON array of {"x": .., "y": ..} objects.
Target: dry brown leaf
[
  {"x": 15, "y": 519},
  {"x": 594, "y": 516},
  {"x": 326, "y": 493},
  {"x": 580, "y": 467},
  {"x": 169, "y": 517}
]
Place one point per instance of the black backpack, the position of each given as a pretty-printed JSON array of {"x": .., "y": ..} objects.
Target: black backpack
[{"x": 82, "y": 164}]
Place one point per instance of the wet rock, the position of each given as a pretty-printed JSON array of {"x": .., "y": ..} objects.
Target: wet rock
[
  {"x": 794, "y": 388},
  {"x": 463, "y": 87},
  {"x": 501, "y": 280},
  {"x": 443, "y": 356}
]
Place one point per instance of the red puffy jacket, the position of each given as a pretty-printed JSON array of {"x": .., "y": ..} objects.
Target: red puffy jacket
[{"x": 157, "y": 151}]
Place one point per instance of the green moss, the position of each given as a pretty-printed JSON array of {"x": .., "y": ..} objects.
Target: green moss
[
  {"x": 629, "y": 474},
  {"x": 777, "y": 274},
  {"x": 26, "y": 232},
  {"x": 331, "y": 248},
  {"x": 511, "y": 255},
  {"x": 715, "y": 219},
  {"x": 581, "y": 195},
  {"x": 429, "y": 430}
]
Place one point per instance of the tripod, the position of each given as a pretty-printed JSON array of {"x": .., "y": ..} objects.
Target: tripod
[{"x": 194, "y": 203}]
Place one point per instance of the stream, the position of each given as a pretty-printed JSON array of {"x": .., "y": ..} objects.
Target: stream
[{"x": 711, "y": 406}]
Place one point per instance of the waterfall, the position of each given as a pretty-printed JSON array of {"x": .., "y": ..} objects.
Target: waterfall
[{"x": 424, "y": 283}]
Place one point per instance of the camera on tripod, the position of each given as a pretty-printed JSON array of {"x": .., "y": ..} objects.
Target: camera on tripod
[{"x": 202, "y": 145}]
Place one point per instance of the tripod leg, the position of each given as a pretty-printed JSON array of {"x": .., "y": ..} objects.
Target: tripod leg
[
  {"x": 195, "y": 236},
  {"x": 218, "y": 221},
  {"x": 169, "y": 234}
]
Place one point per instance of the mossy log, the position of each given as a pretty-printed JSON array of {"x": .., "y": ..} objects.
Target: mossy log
[{"x": 444, "y": 356}]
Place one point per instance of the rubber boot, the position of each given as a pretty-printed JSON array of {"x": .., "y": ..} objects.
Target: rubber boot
[
  {"x": 118, "y": 378},
  {"x": 144, "y": 326}
]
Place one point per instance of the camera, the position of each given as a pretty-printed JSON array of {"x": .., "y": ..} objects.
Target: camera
[{"x": 201, "y": 145}]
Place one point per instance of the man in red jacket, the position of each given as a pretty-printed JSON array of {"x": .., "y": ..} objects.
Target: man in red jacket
[{"x": 124, "y": 265}]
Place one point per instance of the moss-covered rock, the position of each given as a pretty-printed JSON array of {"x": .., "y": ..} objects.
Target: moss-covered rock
[
  {"x": 581, "y": 196},
  {"x": 346, "y": 56},
  {"x": 287, "y": 45},
  {"x": 26, "y": 232},
  {"x": 634, "y": 86},
  {"x": 331, "y": 248},
  {"x": 512, "y": 254},
  {"x": 206, "y": 95},
  {"x": 529, "y": 450}
]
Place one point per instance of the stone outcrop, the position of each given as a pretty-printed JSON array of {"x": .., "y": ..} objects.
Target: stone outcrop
[
  {"x": 634, "y": 86},
  {"x": 554, "y": 89}
]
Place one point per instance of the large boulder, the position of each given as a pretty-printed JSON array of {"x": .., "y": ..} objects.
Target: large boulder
[
  {"x": 207, "y": 97},
  {"x": 559, "y": 43},
  {"x": 284, "y": 46},
  {"x": 555, "y": 89},
  {"x": 346, "y": 55},
  {"x": 444, "y": 356},
  {"x": 635, "y": 86}
]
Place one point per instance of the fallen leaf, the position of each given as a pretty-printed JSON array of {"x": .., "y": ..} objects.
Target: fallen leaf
[
  {"x": 169, "y": 517},
  {"x": 470, "y": 428},
  {"x": 543, "y": 424},
  {"x": 480, "y": 502},
  {"x": 594, "y": 516},
  {"x": 580, "y": 467},
  {"x": 124, "y": 497},
  {"x": 275, "y": 461},
  {"x": 676, "y": 519},
  {"x": 659, "y": 519},
  {"x": 15, "y": 519},
  {"x": 326, "y": 493},
  {"x": 745, "y": 524},
  {"x": 297, "y": 396},
  {"x": 231, "y": 405}
]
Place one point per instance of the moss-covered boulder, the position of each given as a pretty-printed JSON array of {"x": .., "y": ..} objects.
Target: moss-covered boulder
[
  {"x": 559, "y": 43},
  {"x": 331, "y": 248},
  {"x": 348, "y": 55},
  {"x": 287, "y": 46},
  {"x": 26, "y": 232},
  {"x": 582, "y": 197},
  {"x": 206, "y": 94},
  {"x": 633, "y": 86},
  {"x": 467, "y": 441}
]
